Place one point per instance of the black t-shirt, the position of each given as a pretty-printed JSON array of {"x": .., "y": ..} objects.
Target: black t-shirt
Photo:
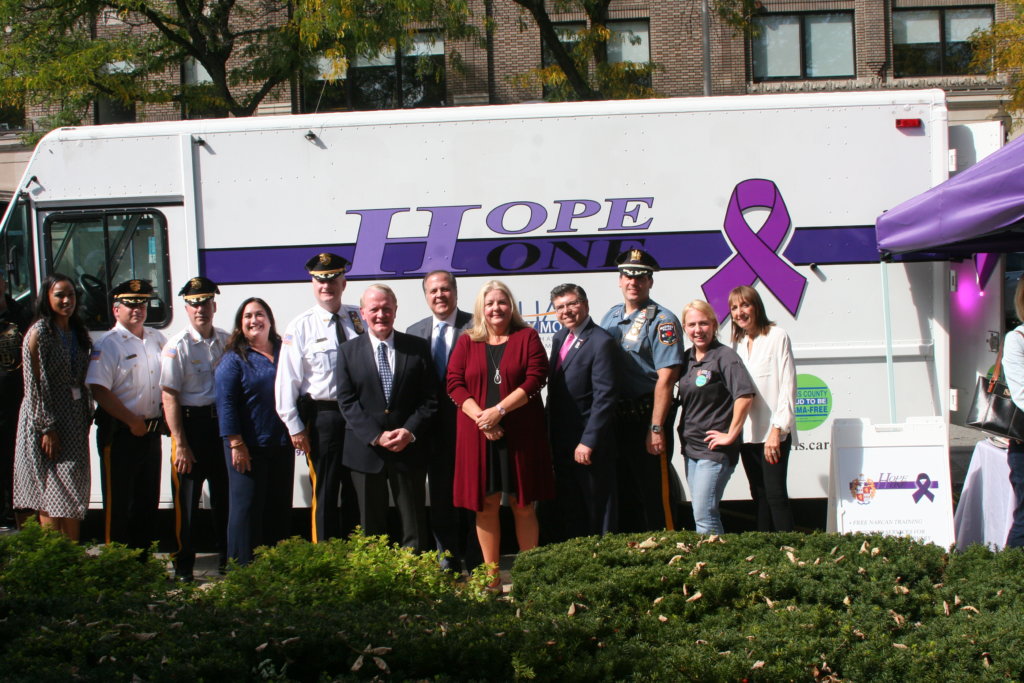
[{"x": 708, "y": 389}]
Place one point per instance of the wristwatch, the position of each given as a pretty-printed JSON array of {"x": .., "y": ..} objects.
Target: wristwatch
[{"x": 656, "y": 429}]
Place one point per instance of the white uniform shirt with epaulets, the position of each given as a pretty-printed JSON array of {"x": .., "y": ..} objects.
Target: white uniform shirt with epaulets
[
  {"x": 188, "y": 363},
  {"x": 309, "y": 355},
  {"x": 129, "y": 367}
]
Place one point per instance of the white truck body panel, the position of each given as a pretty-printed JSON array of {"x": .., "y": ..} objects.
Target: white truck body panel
[{"x": 248, "y": 201}]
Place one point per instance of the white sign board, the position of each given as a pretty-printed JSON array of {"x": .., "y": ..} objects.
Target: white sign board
[{"x": 892, "y": 479}]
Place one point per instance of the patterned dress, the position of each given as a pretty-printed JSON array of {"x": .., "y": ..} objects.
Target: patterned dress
[{"x": 57, "y": 400}]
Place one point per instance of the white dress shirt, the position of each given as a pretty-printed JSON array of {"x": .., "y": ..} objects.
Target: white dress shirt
[
  {"x": 130, "y": 368},
  {"x": 188, "y": 363},
  {"x": 770, "y": 364}
]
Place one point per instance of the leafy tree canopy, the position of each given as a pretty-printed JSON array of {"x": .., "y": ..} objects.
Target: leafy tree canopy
[
  {"x": 64, "y": 54},
  {"x": 1000, "y": 50}
]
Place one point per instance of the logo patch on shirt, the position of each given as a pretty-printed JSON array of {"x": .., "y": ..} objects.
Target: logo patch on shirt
[
  {"x": 287, "y": 340},
  {"x": 703, "y": 376},
  {"x": 667, "y": 334},
  {"x": 95, "y": 355},
  {"x": 170, "y": 351}
]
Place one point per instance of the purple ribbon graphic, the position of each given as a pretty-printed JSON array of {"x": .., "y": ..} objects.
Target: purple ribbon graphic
[
  {"x": 756, "y": 253},
  {"x": 924, "y": 482}
]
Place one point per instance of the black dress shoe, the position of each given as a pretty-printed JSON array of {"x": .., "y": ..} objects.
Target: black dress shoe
[{"x": 184, "y": 578}]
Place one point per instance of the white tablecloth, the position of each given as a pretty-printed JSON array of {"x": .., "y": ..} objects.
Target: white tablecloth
[{"x": 985, "y": 510}]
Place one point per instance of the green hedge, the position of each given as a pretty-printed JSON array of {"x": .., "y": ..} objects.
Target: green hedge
[{"x": 672, "y": 607}]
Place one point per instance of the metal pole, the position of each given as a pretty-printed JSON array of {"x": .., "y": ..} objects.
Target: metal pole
[{"x": 705, "y": 42}]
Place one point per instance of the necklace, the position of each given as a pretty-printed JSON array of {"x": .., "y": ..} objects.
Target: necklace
[{"x": 496, "y": 379}]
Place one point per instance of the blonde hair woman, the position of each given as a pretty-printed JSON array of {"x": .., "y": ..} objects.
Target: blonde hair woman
[
  {"x": 495, "y": 375},
  {"x": 716, "y": 392}
]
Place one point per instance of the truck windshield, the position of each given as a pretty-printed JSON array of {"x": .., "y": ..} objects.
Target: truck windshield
[{"x": 103, "y": 248}]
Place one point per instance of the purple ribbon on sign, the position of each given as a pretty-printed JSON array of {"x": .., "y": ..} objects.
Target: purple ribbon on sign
[
  {"x": 756, "y": 253},
  {"x": 924, "y": 482}
]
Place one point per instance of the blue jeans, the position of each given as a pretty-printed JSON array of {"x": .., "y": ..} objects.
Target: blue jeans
[
  {"x": 707, "y": 480},
  {"x": 1015, "y": 458}
]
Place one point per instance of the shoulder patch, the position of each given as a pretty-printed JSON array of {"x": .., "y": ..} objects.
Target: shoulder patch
[
  {"x": 667, "y": 333},
  {"x": 95, "y": 355},
  {"x": 170, "y": 352},
  {"x": 287, "y": 340}
]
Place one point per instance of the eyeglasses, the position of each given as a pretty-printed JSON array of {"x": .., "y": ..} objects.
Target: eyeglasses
[{"x": 567, "y": 305}]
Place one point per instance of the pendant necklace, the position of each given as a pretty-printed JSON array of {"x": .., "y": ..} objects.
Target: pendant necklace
[{"x": 497, "y": 375}]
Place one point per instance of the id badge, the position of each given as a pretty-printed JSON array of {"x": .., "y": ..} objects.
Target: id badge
[{"x": 76, "y": 393}]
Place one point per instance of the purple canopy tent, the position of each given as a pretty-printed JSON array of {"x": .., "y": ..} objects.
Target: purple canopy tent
[{"x": 979, "y": 210}]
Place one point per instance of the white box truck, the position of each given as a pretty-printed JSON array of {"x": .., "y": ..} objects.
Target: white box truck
[{"x": 535, "y": 195}]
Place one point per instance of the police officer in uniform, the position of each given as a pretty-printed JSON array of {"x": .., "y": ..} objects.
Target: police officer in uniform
[
  {"x": 189, "y": 399},
  {"x": 649, "y": 338},
  {"x": 124, "y": 376},
  {"x": 14, "y": 321},
  {"x": 306, "y": 393}
]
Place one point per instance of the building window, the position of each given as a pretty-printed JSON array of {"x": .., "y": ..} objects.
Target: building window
[
  {"x": 109, "y": 110},
  {"x": 630, "y": 43},
  {"x": 799, "y": 46},
  {"x": 199, "y": 86},
  {"x": 408, "y": 78},
  {"x": 935, "y": 42}
]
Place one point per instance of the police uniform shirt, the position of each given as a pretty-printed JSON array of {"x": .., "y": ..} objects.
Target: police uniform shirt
[
  {"x": 658, "y": 345},
  {"x": 129, "y": 367},
  {"x": 188, "y": 363},
  {"x": 309, "y": 354},
  {"x": 708, "y": 388}
]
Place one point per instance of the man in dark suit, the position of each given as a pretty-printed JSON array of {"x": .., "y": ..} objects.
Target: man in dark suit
[
  {"x": 581, "y": 409},
  {"x": 454, "y": 529},
  {"x": 387, "y": 391}
]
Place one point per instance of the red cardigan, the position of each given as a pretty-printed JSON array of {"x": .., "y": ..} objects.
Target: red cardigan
[{"x": 524, "y": 365}]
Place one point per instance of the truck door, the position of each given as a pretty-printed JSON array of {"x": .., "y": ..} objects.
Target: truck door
[{"x": 101, "y": 248}]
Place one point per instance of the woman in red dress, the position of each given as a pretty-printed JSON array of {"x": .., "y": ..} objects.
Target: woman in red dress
[{"x": 495, "y": 375}]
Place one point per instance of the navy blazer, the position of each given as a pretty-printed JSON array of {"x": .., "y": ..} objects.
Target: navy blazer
[
  {"x": 581, "y": 391},
  {"x": 361, "y": 399}
]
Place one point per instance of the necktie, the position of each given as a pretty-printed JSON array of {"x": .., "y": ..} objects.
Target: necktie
[
  {"x": 566, "y": 345},
  {"x": 338, "y": 329},
  {"x": 440, "y": 351},
  {"x": 384, "y": 368}
]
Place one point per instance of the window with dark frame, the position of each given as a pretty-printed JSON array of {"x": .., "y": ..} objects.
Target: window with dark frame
[
  {"x": 803, "y": 46},
  {"x": 403, "y": 79},
  {"x": 935, "y": 41},
  {"x": 100, "y": 249}
]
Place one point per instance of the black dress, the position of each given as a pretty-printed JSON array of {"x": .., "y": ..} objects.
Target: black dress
[{"x": 500, "y": 478}]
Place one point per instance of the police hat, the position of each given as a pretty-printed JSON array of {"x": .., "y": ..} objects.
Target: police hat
[
  {"x": 199, "y": 290},
  {"x": 326, "y": 266},
  {"x": 636, "y": 262},
  {"x": 132, "y": 292}
]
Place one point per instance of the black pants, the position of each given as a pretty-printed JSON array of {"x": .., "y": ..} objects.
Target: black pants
[
  {"x": 261, "y": 499},
  {"x": 453, "y": 528},
  {"x": 587, "y": 498},
  {"x": 8, "y": 437},
  {"x": 641, "y": 504},
  {"x": 130, "y": 476},
  {"x": 409, "y": 490},
  {"x": 207, "y": 448},
  {"x": 329, "y": 479},
  {"x": 768, "y": 485}
]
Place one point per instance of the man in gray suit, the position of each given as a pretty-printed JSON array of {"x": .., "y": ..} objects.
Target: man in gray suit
[
  {"x": 581, "y": 411},
  {"x": 454, "y": 528}
]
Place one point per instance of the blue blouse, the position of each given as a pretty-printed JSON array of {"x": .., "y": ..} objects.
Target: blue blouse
[{"x": 245, "y": 399}]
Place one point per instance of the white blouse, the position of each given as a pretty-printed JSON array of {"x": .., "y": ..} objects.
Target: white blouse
[{"x": 770, "y": 363}]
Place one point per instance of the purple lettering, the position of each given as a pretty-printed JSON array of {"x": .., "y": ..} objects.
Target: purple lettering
[
  {"x": 567, "y": 213},
  {"x": 496, "y": 218},
  {"x": 619, "y": 210},
  {"x": 372, "y": 237}
]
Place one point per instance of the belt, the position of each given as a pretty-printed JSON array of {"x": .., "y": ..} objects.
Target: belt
[
  {"x": 636, "y": 408},
  {"x": 324, "y": 406},
  {"x": 209, "y": 412}
]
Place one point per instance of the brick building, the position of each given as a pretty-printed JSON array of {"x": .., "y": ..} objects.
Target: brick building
[{"x": 803, "y": 45}]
